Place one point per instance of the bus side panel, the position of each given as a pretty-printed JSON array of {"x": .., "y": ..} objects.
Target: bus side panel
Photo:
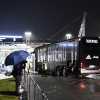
[{"x": 56, "y": 57}]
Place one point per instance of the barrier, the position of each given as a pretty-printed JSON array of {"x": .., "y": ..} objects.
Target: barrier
[{"x": 32, "y": 90}]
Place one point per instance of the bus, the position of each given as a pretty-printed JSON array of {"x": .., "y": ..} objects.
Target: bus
[{"x": 79, "y": 56}]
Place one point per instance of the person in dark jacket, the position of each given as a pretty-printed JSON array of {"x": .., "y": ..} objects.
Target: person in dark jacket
[{"x": 17, "y": 73}]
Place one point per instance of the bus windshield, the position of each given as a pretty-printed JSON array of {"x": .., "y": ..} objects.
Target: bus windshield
[{"x": 90, "y": 52}]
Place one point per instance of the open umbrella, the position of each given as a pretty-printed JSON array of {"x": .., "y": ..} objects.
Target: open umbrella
[{"x": 16, "y": 57}]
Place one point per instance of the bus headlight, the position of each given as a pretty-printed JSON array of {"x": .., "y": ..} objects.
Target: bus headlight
[{"x": 92, "y": 66}]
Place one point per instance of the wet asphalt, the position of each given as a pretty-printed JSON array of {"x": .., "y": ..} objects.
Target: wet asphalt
[{"x": 69, "y": 88}]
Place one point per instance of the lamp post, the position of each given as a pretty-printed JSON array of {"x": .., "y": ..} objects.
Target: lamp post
[
  {"x": 68, "y": 36},
  {"x": 28, "y": 35}
]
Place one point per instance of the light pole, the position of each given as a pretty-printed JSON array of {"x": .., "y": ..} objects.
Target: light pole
[
  {"x": 28, "y": 35},
  {"x": 68, "y": 36}
]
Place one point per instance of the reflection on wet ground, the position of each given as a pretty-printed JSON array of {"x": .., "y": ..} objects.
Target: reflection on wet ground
[
  {"x": 91, "y": 85},
  {"x": 61, "y": 88}
]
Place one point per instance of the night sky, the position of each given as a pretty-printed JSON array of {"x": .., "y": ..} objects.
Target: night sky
[{"x": 44, "y": 18}]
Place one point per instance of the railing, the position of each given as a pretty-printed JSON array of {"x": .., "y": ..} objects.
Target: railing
[{"x": 32, "y": 90}]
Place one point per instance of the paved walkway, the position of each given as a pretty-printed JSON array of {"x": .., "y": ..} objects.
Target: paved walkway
[{"x": 2, "y": 76}]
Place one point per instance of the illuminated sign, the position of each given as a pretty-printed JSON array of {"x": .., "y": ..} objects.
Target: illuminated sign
[
  {"x": 88, "y": 57},
  {"x": 91, "y": 41},
  {"x": 96, "y": 57}
]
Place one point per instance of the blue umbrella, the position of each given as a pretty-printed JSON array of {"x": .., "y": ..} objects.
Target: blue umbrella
[{"x": 16, "y": 57}]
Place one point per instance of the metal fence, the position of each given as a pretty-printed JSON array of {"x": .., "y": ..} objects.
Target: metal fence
[{"x": 32, "y": 90}]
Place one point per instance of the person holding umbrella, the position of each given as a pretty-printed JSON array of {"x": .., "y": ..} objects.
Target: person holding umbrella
[
  {"x": 18, "y": 60},
  {"x": 17, "y": 73}
]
